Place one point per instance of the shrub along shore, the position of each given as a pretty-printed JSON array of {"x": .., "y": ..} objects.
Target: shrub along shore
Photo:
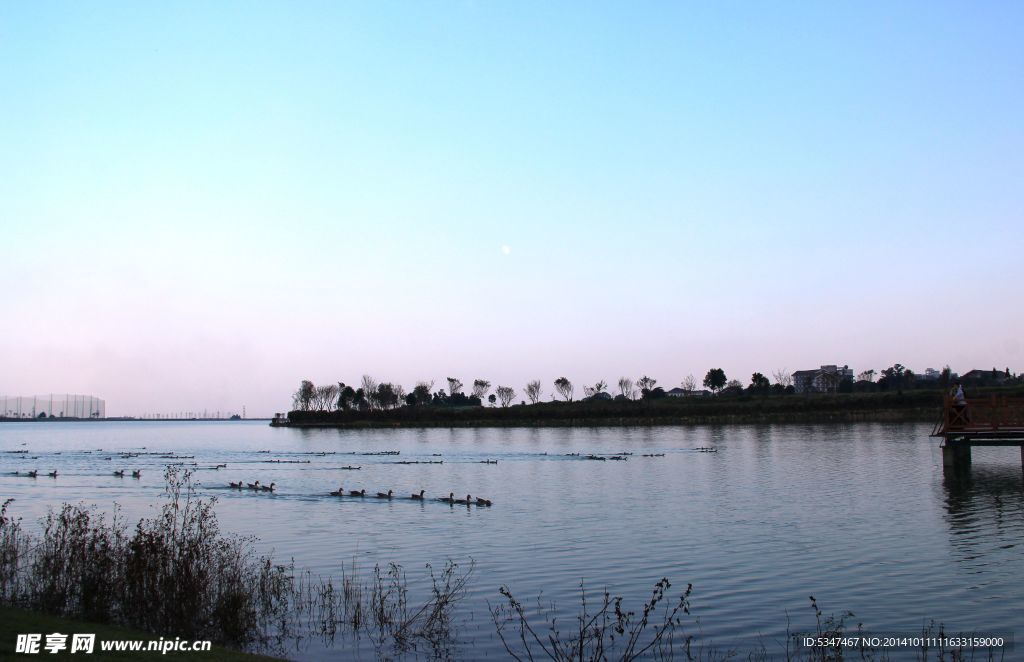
[{"x": 911, "y": 406}]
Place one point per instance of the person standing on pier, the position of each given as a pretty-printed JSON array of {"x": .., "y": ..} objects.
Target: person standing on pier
[{"x": 959, "y": 404}]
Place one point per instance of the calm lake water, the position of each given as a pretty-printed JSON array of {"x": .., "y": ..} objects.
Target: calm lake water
[{"x": 859, "y": 516}]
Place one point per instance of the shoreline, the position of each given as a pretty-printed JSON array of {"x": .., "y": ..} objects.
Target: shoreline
[
  {"x": 917, "y": 407},
  {"x": 891, "y": 416}
]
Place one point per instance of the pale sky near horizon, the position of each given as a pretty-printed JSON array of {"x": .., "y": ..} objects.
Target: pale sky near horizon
[{"x": 203, "y": 203}]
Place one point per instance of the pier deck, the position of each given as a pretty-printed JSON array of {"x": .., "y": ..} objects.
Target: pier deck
[{"x": 992, "y": 421}]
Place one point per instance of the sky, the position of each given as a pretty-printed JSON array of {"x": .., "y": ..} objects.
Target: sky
[{"x": 203, "y": 203}]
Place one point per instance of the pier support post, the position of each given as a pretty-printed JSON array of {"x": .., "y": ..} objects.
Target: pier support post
[{"x": 960, "y": 455}]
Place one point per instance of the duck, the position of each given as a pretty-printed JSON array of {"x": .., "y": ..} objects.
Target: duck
[
  {"x": 268, "y": 488},
  {"x": 254, "y": 486},
  {"x": 417, "y": 497},
  {"x": 119, "y": 474},
  {"x": 357, "y": 493},
  {"x": 52, "y": 474},
  {"x": 239, "y": 485},
  {"x": 340, "y": 492},
  {"x": 33, "y": 474},
  {"x": 381, "y": 495},
  {"x": 448, "y": 499},
  {"x": 466, "y": 501},
  {"x": 137, "y": 473},
  {"x": 483, "y": 502}
]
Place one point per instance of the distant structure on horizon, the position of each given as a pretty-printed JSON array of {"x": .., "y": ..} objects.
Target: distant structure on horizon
[
  {"x": 825, "y": 379},
  {"x": 53, "y": 405}
]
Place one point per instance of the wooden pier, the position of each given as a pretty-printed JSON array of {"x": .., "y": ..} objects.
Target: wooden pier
[{"x": 990, "y": 421}]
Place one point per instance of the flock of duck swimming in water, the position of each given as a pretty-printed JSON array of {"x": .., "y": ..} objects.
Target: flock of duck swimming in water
[
  {"x": 340, "y": 492},
  {"x": 450, "y": 499},
  {"x": 254, "y": 486},
  {"x": 390, "y": 494},
  {"x": 53, "y": 474}
]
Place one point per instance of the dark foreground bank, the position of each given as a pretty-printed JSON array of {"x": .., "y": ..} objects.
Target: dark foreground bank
[{"x": 745, "y": 409}]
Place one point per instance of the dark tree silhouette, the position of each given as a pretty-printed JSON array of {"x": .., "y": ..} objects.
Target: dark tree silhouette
[
  {"x": 715, "y": 379},
  {"x": 303, "y": 398},
  {"x": 533, "y": 391},
  {"x": 421, "y": 393},
  {"x": 759, "y": 383},
  {"x": 564, "y": 388},
  {"x": 345, "y": 396},
  {"x": 480, "y": 388},
  {"x": 505, "y": 395}
]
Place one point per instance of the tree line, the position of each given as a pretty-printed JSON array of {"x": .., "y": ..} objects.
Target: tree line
[{"x": 371, "y": 395}]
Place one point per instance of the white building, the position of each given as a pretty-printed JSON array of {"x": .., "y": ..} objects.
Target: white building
[{"x": 825, "y": 379}]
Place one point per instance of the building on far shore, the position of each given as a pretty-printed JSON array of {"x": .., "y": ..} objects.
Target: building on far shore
[
  {"x": 825, "y": 379},
  {"x": 52, "y": 405},
  {"x": 991, "y": 377}
]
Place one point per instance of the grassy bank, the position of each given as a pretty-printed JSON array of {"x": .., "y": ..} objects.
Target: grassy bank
[
  {"x": 176, "y": 577},
  {"x": 854, "y": 407},
  {"x": 20, "y": 621}
]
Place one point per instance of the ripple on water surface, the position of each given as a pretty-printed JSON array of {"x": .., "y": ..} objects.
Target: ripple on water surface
[{"x": 860, "y": 516}]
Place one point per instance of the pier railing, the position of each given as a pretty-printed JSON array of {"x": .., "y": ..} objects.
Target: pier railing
[{"x": 989, "y": 414}]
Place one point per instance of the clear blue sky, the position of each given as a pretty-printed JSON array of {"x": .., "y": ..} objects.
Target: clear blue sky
[{"x": 202, "y": 203}]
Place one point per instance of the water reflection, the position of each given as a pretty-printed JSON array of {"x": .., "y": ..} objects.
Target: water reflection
[{"x": 984, "y": 511}]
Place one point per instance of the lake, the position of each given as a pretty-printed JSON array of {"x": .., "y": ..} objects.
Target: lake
[{"x": 860, "y": 516}]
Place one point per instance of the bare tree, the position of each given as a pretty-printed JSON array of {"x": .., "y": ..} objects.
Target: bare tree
[
  {"x": 303, "y": 398},
  {"x": 564, "y": 388},
  {"x": 505, "y": 395},
  {"x": 454, "y": 386},
  {"x": 400, "y": 393},
  {"x": 533, "y": 391},
  {"x": 782, "y": 377},
  {"x": 591, "y": 391},
  {"x": 480, "y": 388},
  {"x": 690, "y": 384},
  {"x": 369, "y": 386},
  {"x": 867, "y": 376},
  {"x": 626, "y": 388},
  {"x": 325, "y": 397}
]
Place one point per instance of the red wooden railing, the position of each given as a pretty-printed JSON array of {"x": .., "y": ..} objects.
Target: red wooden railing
[{"x": 993, "y": 413}]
